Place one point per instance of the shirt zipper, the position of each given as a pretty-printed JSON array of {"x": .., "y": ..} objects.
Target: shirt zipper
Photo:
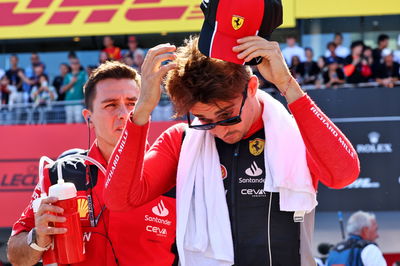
[{"x": 233, "y": 197}]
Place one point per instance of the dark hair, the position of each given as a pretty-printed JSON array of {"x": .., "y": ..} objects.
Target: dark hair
[
  {"x": 382, "y": 37},
  {"x": 67, "y": 66},
  {"x": 357, "y": 43},
  {"x": 198, "y": 78},
  {"x": 308, "y": 49},
  {"x": 71, "y": 54},
  {"x": 107, "y": 70},
  {"x": 338, "y": 34},
  {"x": 331, "y": 43}
]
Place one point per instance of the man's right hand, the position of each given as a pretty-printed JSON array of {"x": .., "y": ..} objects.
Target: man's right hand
[
  {"x": 152, "y": 74},
  {"x": 46, "y": 215}
]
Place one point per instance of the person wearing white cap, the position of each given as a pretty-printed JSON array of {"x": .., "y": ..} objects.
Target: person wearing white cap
[{"x": 387, "y": 73}]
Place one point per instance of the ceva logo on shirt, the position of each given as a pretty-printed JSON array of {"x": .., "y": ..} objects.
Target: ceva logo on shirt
[{"x": 160, "y": 209}]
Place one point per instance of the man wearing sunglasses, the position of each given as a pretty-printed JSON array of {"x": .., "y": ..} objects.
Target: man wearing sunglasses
[
  {"x": 246, "y": 171},
  {"x": 111, "y": 238}
]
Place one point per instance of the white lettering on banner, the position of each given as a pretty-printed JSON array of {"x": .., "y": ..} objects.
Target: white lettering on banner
[
  {"x": 86, "y": 236},
  {"x": 157, "y": 230},
  {"x": 363, "y": 182},
  {"x": 120, "y": 149},
  {"x": 374, "y": 146},
  {"x": 157, "y": 220}
]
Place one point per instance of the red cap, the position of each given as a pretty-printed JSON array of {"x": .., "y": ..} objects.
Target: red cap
[
  {"x": 228, "y": 20},
  {"x": 132, "y": 39}
]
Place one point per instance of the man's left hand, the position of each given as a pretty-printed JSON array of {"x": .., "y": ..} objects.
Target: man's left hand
[{"x": 273, "y": 67}]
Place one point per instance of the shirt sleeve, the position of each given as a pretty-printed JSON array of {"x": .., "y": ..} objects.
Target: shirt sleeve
[
  {"x": 371, "y": 255},
  {"x": 330, "y": 155},
  {"x": 27, "y": 220},
  {"x": 134, "y": 176}
]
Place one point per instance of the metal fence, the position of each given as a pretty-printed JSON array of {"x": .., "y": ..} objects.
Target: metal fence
[{"x": 55, "y": 112}]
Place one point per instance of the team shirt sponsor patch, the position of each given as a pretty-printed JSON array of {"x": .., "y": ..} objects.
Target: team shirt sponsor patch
[
  {"x": 83, "y": 207},
  {"x": 256, "y": 146},
  {"x": 224, "y": 173}
]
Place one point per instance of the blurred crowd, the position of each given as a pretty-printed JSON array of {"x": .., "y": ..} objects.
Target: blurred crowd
[
  {"x": 339, "y": 64},
  {"x": 30, "y": 85}
]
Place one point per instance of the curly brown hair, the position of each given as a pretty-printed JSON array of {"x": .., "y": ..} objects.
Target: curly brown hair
[
  {"x": 199, "y": 78},
  {"x": 107, "y": 70}
]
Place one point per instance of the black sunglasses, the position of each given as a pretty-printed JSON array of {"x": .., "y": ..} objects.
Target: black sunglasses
[{"x": 227, "y": 122}]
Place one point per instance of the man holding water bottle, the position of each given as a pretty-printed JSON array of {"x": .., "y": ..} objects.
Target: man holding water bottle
[{"x": 111, "y": 238}]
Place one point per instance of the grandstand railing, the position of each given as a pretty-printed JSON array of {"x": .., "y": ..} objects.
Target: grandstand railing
[{"x": 54, "y": 112}]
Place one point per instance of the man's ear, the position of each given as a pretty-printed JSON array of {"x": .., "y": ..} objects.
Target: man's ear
[
  {"x": 252, "y": 86},
  {"x": 87, "y": 115},
  {"x": 364, "y": 232}
]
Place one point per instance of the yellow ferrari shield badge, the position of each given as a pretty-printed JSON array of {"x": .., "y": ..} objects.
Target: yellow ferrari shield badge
[
  {"x": 237, "y": 22},
  {"x": 256, "y": 146}
]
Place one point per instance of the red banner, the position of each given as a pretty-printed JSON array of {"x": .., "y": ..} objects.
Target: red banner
[{"x": 21, "y": 148}]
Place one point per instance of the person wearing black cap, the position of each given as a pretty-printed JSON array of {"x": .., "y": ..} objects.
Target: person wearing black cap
[
  {"x": 334, "y": 75},
  {"x": 245, "y": 170}
]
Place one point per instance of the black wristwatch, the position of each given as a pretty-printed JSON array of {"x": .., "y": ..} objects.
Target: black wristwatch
[{"x": 31, "y": 239}]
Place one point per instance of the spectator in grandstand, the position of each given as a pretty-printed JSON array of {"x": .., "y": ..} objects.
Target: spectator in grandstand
[
  {"x": 58, "y": 81},
  {"x": 139, "y": 59},
  {"x": 15, "y": 97},
  {"x": 322, "y": 66},
  {"x": 331, "y": 52},
  {"x": 294, "y": 64},
  {"x": 90, "y": 69},
  {"x": 382, "y": 42},
  {"x": 360, "y": 247},
  {"x": 387, "y": 73},
  {"x": 73, "y": 89},
  {"x": 35, "y": 60},
  {"x": 13, "y": 73},
  {"x": 308, "y": 71},
  {"x": 396, "y": 54},
  {"x": 103, "y": 57},
  {"x": 113, "y": 52},
  {"x": 334, "y": 75},
  {"x": 368, "y": 56},
  {"x": 128, "y": 60},
  {"x": 356, "y": 66},
  {"x": 340, "y": 50},
  {"x": 41, "y": 95},
  {"x": 133, "y": 46},
  {"x": 5, "y": 90},
  {"x": 293, "y": 49},
  {"x": 33, "y": 80}
]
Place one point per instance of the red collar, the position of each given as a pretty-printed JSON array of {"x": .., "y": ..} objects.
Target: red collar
[
  {"x": 257, "y": 125},
  {"x": 95, "y": 153}
]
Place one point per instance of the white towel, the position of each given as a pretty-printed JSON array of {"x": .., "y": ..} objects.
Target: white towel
[{"x": 203, "y": 226}]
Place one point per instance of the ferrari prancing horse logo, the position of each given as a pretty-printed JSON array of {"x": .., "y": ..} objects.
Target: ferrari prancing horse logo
[
  {"x": 256, "y": 146},
  {"x": 237, "y": 22}
]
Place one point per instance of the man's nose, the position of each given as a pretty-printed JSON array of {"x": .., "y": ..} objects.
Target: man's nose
[
  {"x": 123, "y": 111},
  {"x": 219, "y": 131}
]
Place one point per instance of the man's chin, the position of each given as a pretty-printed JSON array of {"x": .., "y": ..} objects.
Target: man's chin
[{"x": 231, "y": 139}]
